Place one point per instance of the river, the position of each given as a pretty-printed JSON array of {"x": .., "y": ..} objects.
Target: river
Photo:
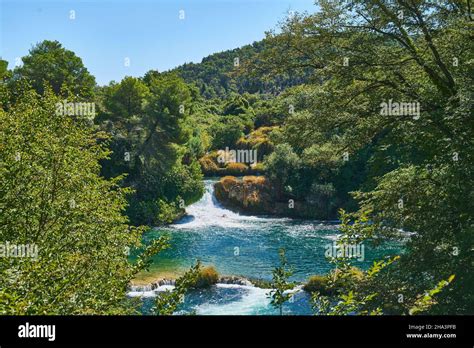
[{"x": 244, "y": 246}]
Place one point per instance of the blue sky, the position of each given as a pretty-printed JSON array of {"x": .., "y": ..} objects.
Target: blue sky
[{"x": 149, "y": 33}]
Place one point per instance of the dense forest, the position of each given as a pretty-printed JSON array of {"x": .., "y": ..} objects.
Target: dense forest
[
  {"x": 360, "y": 112},
  {"x": 216, "y": 78}
]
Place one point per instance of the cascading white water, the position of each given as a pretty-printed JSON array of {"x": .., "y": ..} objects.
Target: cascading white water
[
  {"x": 148, "y": 290},
  {"x": 209, "y": 212},
  {"x": 252, "y": 301}
]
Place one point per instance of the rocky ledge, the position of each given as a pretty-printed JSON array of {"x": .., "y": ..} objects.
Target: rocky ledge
[
  {"x": 161, "y": 282},
  {"x": 256, "y": 195}
]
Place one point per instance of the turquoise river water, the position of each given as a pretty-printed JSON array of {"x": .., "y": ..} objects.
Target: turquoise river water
[{"x": 245, "y": 246}]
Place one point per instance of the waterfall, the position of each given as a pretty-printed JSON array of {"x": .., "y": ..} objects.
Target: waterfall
[
  {"x": 209, "y": 212},
  {"x": 150, "y": 290}
]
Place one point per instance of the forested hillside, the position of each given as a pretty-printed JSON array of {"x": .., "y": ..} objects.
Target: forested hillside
[{"x": 215, "y": 75}]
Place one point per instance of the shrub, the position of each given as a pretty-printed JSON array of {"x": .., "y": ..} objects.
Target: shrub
[
  {"x": 208, "y": 165},
  {"x": 236, "y": 168},
  {"x": 229, "y": 180},
  {"x": 226, "y": 134},
  {"x": 318, "y": 283},
  {"x": 223, "y": 187},
  {"x": 258, "y": 167},
  {"x": 282, "y": 166},
  {"x": 183, "y": 181},
  {"x": 258, "y": 140},
  {"x": 168, "y": 212},
  {"x": 255, "y": 180},
  {"x": 207, "y": 276}
]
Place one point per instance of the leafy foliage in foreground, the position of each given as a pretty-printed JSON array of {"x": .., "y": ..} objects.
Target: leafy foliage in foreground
[
  {"x": 52, "y": 196},
  {"x": 416, "y": 167},
  {"x": 280, "y": 284},
  {"x": 168, "y": 302}
]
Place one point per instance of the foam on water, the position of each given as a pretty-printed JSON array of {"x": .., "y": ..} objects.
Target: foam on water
[
  {"x": 209, "y": 212},
  {"x": 252, "y": 301},
  {"x": 148, "y": 292}
]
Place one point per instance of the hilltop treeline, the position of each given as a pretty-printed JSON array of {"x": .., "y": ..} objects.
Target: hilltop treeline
[{"x": 215, "y": 76}]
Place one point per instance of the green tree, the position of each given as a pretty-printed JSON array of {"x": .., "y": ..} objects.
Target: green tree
[
  {"x": 162, "y": 125},
  {"x": 236, "y": 105},
  {"x": 5, "y": 75},
  {"x": 280, "y": 284},
  {"x": 282, "y": 167},
  {"x": 126, "y": 99},
  {"x": 48, "y": 62},
  {"x": 53, "y": 198},
  {"x": 149, "y": 137},
  {"x": 226, "y": 133},
  {"x": 365, "y": 54}
]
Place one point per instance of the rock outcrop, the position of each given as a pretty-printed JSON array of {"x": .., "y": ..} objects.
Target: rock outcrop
[{"x": 256, "y": 195}]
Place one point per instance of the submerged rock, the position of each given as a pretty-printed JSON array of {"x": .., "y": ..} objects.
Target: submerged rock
[
  {"x": 234, "y": 280},
  {"x": 153, "y": 286},
  {"x": 237, "y": 280}
]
